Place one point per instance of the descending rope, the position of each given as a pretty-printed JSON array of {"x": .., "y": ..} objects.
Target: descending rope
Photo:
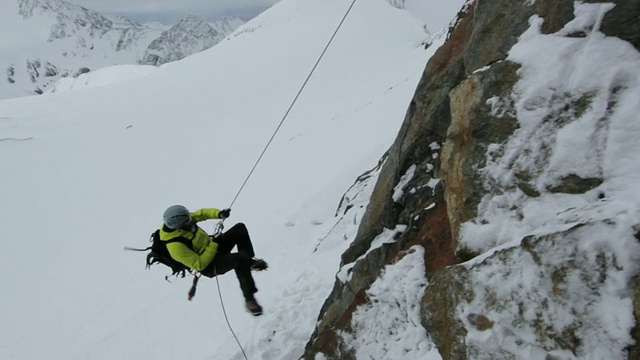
[
  {"x": 224, "y": 311},
  {"x": 295, "y": 99},
  {"x": 292, "y": 103}
]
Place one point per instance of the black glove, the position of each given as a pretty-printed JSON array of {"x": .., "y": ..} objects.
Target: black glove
[{"x": 223, "y": 214}]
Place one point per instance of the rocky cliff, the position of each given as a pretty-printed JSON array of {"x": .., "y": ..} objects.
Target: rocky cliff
[{"x": 514, "y": 171}]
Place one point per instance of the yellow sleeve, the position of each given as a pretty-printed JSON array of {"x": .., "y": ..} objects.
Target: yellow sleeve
[
  {"x": 183, "y": 254},
  {"x": 205, "y": 214}
]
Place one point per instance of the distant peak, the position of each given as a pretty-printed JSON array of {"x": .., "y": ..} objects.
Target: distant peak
[{"x": 191, "y": 18}]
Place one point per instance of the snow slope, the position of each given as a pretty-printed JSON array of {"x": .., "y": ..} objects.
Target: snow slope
[{"x": 90, "y": 170}]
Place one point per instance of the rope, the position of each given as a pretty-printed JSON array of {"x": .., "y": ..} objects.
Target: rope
[
  {"x": 295, "y": 99},
  {"x": 292, "y": 103},
  {"x": 224, "y": 311}
]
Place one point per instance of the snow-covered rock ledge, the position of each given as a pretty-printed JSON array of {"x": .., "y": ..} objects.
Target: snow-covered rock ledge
[{"x": 530, "y": 237}]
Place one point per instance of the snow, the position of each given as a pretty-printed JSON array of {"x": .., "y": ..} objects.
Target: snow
[
  {"x": 393, "y": 300},
  {"x": 55, "y": 39},
  {"x": 90, "y": 168},
  {"x": 103, "y": 76},
  {"x": 398, "y": 191},
  {"x": 388, "y": 236},
  {"x": 597, "y": 143},
  {"x": 436, "y": 14},
  {"x": 599, "y": 315},
  {"x": 596, "y": 140}
]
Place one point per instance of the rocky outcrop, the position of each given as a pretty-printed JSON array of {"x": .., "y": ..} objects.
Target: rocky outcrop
[
  {"x": 473, "y": 128},
  {"x": 623, "y": 21},
  {"x": 480, "y": 157},
  {"x": 86, "y": 25},
  {"x": 189, "y": 36},
  {"x": 472, "y": 314},
  {"x": 424, "y": 211}
]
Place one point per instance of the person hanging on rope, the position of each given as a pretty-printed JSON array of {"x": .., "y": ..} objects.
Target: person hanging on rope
[{"x": 212, "y": 256}]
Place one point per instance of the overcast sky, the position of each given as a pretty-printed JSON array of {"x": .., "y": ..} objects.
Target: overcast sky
[{"x": 172, "y": 10}]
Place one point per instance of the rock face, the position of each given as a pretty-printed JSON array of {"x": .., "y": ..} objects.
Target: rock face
[
  {"x": 523, "y": 240},
  {"x": 189, "y": 36},
  {"x": 72, "y": 20}
]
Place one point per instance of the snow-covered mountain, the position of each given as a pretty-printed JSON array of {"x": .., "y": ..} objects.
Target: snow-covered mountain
[
  {"x": 189, "y": 36},
  {"x": 52, "y": 39}
]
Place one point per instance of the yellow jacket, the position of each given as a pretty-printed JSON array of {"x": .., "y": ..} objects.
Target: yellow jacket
[{"x": 204, "y": 249}]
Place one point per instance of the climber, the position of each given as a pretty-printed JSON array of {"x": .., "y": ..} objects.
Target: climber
[{"x": 212, "y": 256}]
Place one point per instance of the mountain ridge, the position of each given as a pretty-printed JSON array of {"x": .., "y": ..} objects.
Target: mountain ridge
[
  {"x": 190, "y": 35},
  {"x": 56, "y": 39}
]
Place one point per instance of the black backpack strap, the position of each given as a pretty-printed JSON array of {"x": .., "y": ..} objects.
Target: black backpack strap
[{"x": 152, "y": 257}]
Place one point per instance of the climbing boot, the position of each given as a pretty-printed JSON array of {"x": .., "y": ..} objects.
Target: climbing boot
[
  {"x": 253, "y": 307},
  {"x": 258, "y": 264}
]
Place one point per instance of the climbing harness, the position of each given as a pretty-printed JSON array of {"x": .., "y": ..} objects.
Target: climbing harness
[{"x": 217, "y": 229}]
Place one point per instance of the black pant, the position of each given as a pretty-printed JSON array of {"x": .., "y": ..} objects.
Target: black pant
[{"x": 236, "y": 236}]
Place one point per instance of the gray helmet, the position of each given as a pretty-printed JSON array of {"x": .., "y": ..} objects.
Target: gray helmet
[{"x": 175, "y": 216}]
